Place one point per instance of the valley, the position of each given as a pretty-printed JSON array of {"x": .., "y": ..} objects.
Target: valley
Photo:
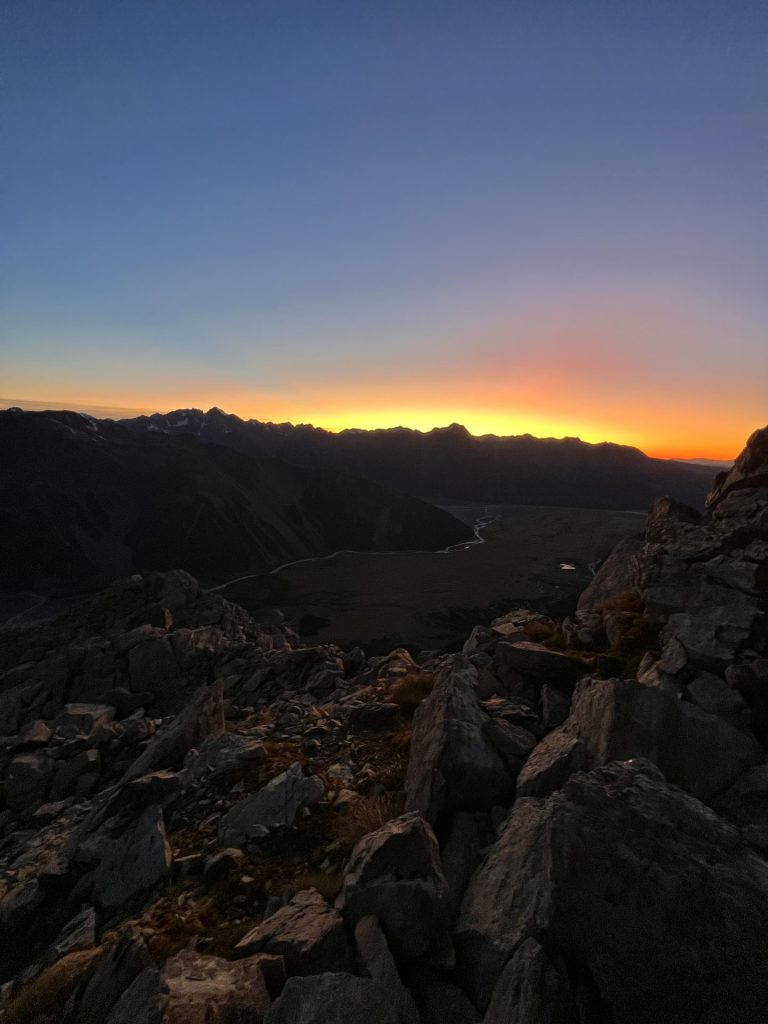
[{"x": 431, "y": 599}]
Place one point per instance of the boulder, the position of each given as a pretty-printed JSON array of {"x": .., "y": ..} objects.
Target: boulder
[
  {"x": 655, "y": 899},
  {"x": 203, "y": 716},
  {"x": 19, "y": 905},
  {"x": 453, "y": 765},
  {"x": 441, "y": 1002},
  {"x": 79, "y": 933},
  {"x": 749, "y": 470},
  {"x": 376, "y": 961},
  {"x": 746, "y": 805},
  {"x": 274, "y": 806},
  {"x": 551, "y": 764},
  {"x": 135, "y": 862},
  {"x": 536, "y": 662},
  {"x": 82, "y": 719},
  {"x": 395, "y": 875},
  {"x": 531, "y": 989},
  {"x": 307, "y": 932},
  {"x": 26, "y": 781},
  {"x": 620, "y": 719},
  {"x": 114, "y": 973},
  {"x": 210, "y": 990},
  {"x": 333, "y": 999}
]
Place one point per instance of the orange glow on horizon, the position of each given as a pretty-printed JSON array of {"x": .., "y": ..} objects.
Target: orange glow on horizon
[{"x": 718, "y": 443}]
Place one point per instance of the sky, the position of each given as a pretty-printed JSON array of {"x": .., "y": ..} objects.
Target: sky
[{"x": 544, "y": 217}]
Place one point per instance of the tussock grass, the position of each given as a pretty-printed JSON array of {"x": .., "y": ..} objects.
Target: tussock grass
[
  {"x": 411, "y": 691},
  {"x": 43, "y": 999}
]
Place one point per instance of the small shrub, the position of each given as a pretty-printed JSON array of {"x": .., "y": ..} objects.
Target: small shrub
[{"x": 411, "y": 691}]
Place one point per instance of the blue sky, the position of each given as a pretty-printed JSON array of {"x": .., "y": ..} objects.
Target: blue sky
[{"x": 301, "y": 210}]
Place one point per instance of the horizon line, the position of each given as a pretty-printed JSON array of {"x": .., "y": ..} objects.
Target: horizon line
[{"x": 100, "y": 411}]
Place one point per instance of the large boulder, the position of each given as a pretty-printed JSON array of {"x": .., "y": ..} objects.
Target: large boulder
[
  {"x": 134, "y": 863},
  {"x": 532, "y": 989},
  {"x": 333, "y": 999},
  {"x": 273, "y": 806},
  {"x": 395, "y": 875},
  {"x": 453, "y": 764},
  {"x": 210, "y": 990},
  {"x": 647, "y": 891},
  {"x": 620, "y": 719},
  {"x": 307, "y": 932}
]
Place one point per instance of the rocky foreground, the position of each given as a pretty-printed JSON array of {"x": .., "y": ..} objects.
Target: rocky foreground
[{"x": 207, "y": 821}]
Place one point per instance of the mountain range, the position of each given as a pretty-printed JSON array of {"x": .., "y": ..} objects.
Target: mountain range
[
  {"x": 83, "y": 501},
  {"x": 449, "y": 465}
]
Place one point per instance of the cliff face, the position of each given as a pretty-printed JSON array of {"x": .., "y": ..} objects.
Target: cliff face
[{"x": 206, "y": 819}]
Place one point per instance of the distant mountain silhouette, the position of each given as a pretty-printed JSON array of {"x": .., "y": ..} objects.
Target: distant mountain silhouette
[
  {"x": 448, "y": 465},
  {"x": 83, "y": 501}
]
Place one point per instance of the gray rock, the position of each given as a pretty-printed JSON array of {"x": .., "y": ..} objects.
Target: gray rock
[
  {"x": 204, "y": 716},
  {"x": 650, "y": 892},
  {"x": 620, "y": 719},
  {"x": 618, "y": 575},
  {"x": 536, "y": 662},
  {"x": 555, "y": 706},
  {"x": 225, "y": 758},
  {"x": 141, "y": 1002},
  {"x": 210, "y": 990},
  {"x": 470, "y": 834},
  {"x": 441, "y": 1002},
  {"x": 453, "y": 765},
  {"x": 65, "y": 781},
  {"x": 551, "y": 764},
  {"x": 36, "y": 734},
  {"x": 151, "y": 664},
  {"x": 713, "y": 695},
  {"x": 26, "y": 781},
  {"x": 333, "y": 999},
  {"x": 114, "y": 972},
  {"x": 395, "y": 875},
  {"x": 307, "y": 932},
  {"x": 376, "y": 961},
  {"x": 274, "y": 806},
  {"x": 513, "y": 743},
  {"x": 79, "y": 933},
  {"x": 746, "y": 805},
  {"x": 19, "y": 905},
  {"x": 82, "y": 719},
  {"x": 135, "y": 863},
  {"x": 531, "y": 989}
]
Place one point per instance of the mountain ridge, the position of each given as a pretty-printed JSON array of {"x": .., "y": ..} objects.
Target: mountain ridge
[
  {"x": 448, "y": 464},
  {"x": 83, "y": 501}
]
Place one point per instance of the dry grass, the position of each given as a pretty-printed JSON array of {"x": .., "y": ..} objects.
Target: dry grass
[
  {"x": 328, "y": 885},
  {"x": 183, "y": 914},
  {"x": 411, "y": 691},
  {"x": 43, "y": 999},
  {"x": 626, "y": 601},
  {"x": 367, "y": 815}
]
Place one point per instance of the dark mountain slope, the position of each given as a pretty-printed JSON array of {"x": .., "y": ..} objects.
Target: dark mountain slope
[
  {"x": 83, "y": 501},
  {"x": 450, "y": 465}
]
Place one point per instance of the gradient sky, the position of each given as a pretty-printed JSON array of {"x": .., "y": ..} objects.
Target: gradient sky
[{"x": 524, "y": 216}]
